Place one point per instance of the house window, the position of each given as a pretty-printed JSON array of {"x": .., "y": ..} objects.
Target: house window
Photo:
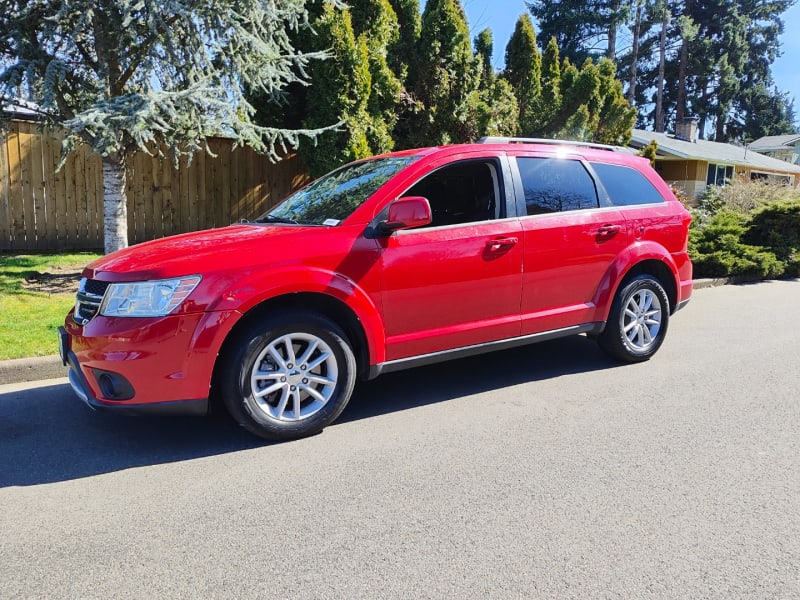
[
  {"x": 771, "y": 177},
  {"x": 719, "y": 174}
]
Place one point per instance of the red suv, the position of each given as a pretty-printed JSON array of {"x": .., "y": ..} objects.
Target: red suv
[{"x": 386, "y": 263}]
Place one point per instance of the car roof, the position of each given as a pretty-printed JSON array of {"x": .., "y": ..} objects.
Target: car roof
[{"x": 586, "y": 150}]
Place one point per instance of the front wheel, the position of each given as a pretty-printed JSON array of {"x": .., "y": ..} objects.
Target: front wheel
[
  {"x": 638, "y": 320},
  {"x": 288, "y": 375}
]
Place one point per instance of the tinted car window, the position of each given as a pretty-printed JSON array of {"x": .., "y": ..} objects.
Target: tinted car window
[
  {"x": 556, "y": 185},
  {"x": 460, "y": 193},
  {"x": 626, "y": 186}
]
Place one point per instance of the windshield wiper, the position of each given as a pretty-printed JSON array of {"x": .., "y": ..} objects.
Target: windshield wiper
[{"x": 274, "y": 219}]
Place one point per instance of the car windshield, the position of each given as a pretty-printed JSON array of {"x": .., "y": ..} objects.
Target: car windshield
[{"x": 333, "y": 197}]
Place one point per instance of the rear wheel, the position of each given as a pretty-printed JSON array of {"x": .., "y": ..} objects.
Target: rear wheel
[
  {"x": 288, "y": 375},
  {"x": 638, "y": 320}
]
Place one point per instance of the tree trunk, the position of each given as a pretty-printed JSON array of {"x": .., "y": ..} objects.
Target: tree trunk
[
  {"x": 612, "y": 31},
  {"x": 115, "y": 205},
  {"x": 683, "y": 63},
  {"x": 662, "y": 54},
  {"x": 635, "y": 54},
  {"x": 701, "y": 127}
]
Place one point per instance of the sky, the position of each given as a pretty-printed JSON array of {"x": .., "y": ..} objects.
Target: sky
[{"x": 501, "y": 15}]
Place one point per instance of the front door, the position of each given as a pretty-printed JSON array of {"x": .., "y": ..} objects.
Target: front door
[{"x": 457, "y": 282}]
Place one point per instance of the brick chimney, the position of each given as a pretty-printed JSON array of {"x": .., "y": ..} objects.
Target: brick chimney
[{"x": 687, "y": 129}]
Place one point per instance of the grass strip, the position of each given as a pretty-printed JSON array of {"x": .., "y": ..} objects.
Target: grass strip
[{"x": 29, "y": 317}]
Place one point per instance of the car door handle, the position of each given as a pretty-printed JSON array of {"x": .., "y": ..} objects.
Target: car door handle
[
  {"x": 606, "y": 231},
  {"x": 499, "y": 244}
]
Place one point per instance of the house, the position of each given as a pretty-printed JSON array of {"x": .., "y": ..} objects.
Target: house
[
  {"x": 782, "y": 147},
  {"x": 692, "y": 164}
]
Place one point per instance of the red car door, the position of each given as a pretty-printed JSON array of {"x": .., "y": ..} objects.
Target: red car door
[
  {"x": 457, "y": 282},
  {"x": 570, "y": 242}
]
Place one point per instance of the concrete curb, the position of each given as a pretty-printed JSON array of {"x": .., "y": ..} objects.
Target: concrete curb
[
  {"x": 699, "y": 284},
  {"x": 35, "y": 368}
]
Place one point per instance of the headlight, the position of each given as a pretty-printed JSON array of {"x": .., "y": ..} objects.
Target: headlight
[{"x": 147, "y": 298}]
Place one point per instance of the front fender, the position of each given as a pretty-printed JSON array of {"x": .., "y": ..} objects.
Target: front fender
[
  {"x": 627, "y": 260},
  {"x": 246, "y": 294}
]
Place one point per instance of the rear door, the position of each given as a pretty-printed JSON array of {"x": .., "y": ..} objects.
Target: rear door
[
  {"x": 570, "y": 241},
  {"x": 650, "y": 217},
  {"x": 653, "y": 218}
]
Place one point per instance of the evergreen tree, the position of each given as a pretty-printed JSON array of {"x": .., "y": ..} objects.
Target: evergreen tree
[
  {"x": 551, "y": 81},
  {"x": 339, "y": 93},
  {"x": 763, "y": 110},
  {"x": 615, "y": 116},
  {"x": 637, "y": 32},
  {"x": 376, "y": 23},
  {"x": 497, "y": 111},
  {"x": 128, "y": 75},
  {"x": 444, "y": 79},
  {"x": 650, "y": 152},
  {"x": 484, "y": 48},
  {"x": 692, "y": 57},
  {"x": 580, "y": 28},
  {"x": 358, "y": 89},
  {"x": 572, "y": 22},
  {"x": 402, "y": 59},
  {"x": 409, "y": 25},
  {"x": 591, "y": 105},
  {"x": 524, "y": 73}
]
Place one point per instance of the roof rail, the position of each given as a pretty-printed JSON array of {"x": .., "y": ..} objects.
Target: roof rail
[{"x": 521, "y": 140}]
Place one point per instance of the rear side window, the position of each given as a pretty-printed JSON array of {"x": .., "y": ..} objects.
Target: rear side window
[
  {"x": 556, "y": 185},
  {"x": 626, "y": 186}
]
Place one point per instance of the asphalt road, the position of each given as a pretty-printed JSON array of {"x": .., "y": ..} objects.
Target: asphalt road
[{"x": 546, "y": 472}]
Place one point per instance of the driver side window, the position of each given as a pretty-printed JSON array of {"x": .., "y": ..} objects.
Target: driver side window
[{"x": 465, "y": 192}]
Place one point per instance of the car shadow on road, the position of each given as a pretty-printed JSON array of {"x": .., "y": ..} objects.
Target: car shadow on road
[
  {"x": 454, "y": 379},
  {"x": 47, "y": 436}
]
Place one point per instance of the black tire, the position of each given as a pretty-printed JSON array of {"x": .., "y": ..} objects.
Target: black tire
[
  {"x": 309, "y": 392},
  {"x": 636, "y": 334}
]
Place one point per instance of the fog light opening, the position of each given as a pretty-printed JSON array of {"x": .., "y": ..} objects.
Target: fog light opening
[
  {"x": 106, "y": 386},
  {"x": 113, "y": 386}
]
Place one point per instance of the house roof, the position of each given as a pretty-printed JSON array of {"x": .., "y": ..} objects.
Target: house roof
[
  {"x": 714, "y": 152},
  {"x": 775, "y": 142}
]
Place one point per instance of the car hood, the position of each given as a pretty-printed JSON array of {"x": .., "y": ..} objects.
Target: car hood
[{"x": 204, "y": 251}]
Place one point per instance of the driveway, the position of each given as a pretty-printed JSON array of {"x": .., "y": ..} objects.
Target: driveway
[{"x": 544, "y": 472}]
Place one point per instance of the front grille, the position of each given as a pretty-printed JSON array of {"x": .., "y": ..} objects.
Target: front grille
[
  {"x": 87, "y": 302},
  {"x": 94, "y": 286}
]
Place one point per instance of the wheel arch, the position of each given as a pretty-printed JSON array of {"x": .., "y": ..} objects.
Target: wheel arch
[
  {"x": 314, "y": 302},
  {"x": 637, "y": 260},
  {"x": 660, "y": 271}
]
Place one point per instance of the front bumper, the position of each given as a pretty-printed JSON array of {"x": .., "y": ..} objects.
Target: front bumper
[
  {"x": 80, "y": 386},
  {"x": 160, "y": 365}
]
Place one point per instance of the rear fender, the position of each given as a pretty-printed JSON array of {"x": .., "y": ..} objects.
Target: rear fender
[{"x": 634, "y": 255}]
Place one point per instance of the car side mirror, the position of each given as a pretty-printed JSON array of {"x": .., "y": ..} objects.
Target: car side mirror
[{"x": 407, "y": 213}]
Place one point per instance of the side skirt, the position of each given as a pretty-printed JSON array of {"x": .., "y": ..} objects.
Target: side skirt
[{"x": 436, "y": 357}]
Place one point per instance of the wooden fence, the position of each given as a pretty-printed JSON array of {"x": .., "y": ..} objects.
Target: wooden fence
[{"x": 45, "y": 209}]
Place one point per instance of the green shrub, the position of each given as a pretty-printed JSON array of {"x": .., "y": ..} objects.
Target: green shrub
[
  {"x": 711, "y": 201},
  {"x": 717, "y": 249},
  {"x": 745, "y": 261},
  {"x": 776, "y": 227}
]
